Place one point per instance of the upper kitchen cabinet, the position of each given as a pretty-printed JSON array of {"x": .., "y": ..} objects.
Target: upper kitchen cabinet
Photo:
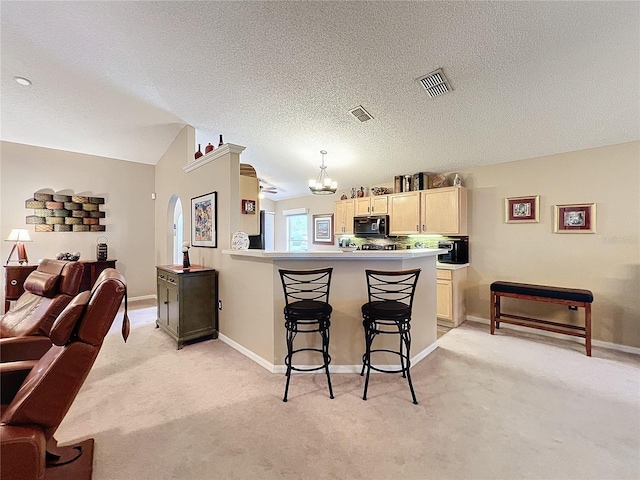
[
  {"x": 444, "y": 211},
  {"x": 343, "y": 216},
  {"x": 404, "y": 213},
  {"x": 249, "y": 200},
  {"x": 376, "y": 205}
]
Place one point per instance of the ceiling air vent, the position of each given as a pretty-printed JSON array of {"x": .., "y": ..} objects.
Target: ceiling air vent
[
  {"x": 360, "y": 113},
  {"x": 436, "y": 83}
]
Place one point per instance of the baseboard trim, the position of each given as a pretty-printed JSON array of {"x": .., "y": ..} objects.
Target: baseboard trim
[
  {"x": 247, "y": 353},
  {"x": 332, "y": 368},
  {"x": 143, "y": 297},
  {"x": 596, "y": 343}
]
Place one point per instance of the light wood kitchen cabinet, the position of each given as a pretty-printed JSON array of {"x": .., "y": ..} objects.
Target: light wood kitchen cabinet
[
  {"x": 451, "y": 305},
  {"x": 187, "y": 302},
  {"x": 343, "y": 216},
  {"x": 444, "y": 211},
  {"x": 376, "y": 205},
  {"x": 404, "y": 213}
]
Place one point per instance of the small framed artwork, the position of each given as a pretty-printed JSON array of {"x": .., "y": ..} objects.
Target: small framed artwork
[
  {"x": 575, "y": 218},
  {"x": 204, "y": 221},
  {"x": 522, "y": 209},
  {"x": 248, "y": 206},
  {"x": 323, "y": 229}
]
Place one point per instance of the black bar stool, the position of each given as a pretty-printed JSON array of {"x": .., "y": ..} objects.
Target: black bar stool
[
  {"x": 388, "y": 312},
  {"x": 307, "y": 310}
]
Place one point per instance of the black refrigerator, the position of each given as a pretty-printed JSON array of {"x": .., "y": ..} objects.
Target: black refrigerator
[{"x": 257, "y": 241}]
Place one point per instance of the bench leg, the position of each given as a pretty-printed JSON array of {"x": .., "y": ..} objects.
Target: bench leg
[
  {"x": 495, "y": 312},
  {"x": 587, "y": 328}
]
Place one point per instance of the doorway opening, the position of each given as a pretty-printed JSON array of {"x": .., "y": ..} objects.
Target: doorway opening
[{"x": 175, "y": 231}]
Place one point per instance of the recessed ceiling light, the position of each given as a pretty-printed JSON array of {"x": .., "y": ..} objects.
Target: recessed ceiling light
[{"x": 22, "y": 81}]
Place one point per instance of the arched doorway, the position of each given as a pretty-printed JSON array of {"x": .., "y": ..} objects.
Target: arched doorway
[{"x": 175, "y": 231}]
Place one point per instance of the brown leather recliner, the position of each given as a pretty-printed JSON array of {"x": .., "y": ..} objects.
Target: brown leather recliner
[
  {"x": 48, "y": 290},
  {"x": 27, "y": 424}
]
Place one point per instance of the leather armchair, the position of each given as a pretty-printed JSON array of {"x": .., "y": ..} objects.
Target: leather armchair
[
  {"x": 37, "y": 407},
  {"x": 48, "y": 290}
]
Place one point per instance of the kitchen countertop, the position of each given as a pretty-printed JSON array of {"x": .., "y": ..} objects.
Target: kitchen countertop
[
  {"x": 340, "y": 255},
  {"x": 451, "y": 266}
]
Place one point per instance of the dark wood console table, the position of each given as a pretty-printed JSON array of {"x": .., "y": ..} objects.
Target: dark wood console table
[
  {"x": 92, "y": 269},
  {"x": 187, "y": 302}
]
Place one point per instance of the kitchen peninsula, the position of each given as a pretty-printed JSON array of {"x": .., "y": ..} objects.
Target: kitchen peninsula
[{"x": 257, "y": 325}]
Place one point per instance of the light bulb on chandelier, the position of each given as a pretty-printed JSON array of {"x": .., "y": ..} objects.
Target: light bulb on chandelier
[{"x": 323, "y": 184}]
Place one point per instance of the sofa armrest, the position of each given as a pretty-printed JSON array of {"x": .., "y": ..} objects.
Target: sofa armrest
[
  {"x": 12, "y": 375},
  {"x": 31, "y": 347},
  {"x": 22, "y": 453}
]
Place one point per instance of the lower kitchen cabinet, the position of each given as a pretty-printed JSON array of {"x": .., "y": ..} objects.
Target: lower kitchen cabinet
[
  {"x": 187, "y": 302},
  {"x": 451, "y": 296}
]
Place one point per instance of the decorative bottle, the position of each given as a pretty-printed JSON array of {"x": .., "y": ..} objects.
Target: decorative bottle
[
  {"x": 220, "y": 142},
  {"x": 208, "y": 148},
  {"x": 198, "y": 153},
  {"x": 457, "y": 181}
]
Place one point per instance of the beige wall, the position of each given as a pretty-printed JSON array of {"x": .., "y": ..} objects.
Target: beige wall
[
  {"x": 126, "y": 187},
  {"x": 317, "y": 205},
  {"x": 607, "y": 262},
  {"x": 222, "y": 175}
]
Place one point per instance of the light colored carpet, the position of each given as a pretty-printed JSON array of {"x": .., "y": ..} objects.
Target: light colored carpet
[{"x": 509, "y": 406}]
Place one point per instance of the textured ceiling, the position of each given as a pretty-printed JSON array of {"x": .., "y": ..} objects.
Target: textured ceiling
[{"x": 120, "y": 79}]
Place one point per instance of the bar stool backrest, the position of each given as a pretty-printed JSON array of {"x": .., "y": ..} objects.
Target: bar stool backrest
[
  {"x": 396, "y": 286},
  {"x": 305, "y": 285}
]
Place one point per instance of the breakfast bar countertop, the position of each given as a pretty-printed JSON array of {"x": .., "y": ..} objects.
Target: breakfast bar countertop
[
  {"x": 251, "y": 291},
  {"x": 339, "y": 254}
]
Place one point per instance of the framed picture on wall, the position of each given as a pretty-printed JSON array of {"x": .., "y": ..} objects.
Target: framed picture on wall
[
  {"x": 575, "y": 218},
  {"x": 522, "y": 209},
  {"x": 323, "y": 229},
  {"x": 204, "y": 221}
]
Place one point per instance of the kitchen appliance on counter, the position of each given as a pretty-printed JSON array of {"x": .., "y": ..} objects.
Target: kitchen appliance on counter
[
  {"x": 371, "y": 226},
  {"x": 457, "y": 250}
]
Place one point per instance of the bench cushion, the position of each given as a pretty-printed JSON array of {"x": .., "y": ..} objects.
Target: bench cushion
[{"x": 560, "y": 293}]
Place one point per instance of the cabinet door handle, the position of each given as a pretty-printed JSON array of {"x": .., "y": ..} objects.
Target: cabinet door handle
[
  {"x": 166, "y": 302},
  {"x": 423, "y": 229},
  {"x": 14, "y": 283}
]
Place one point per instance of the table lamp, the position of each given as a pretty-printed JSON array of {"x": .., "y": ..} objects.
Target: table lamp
[{"x": 19, "y": 235}]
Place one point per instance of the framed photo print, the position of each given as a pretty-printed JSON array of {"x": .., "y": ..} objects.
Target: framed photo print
[
  {"x": 522, "y": 209},
  {"x": 204, "y": 222},
  {"x": 248, "y": 206},
  {"x": 575, "y": 218},
  {"x": 323, "y": 229}
]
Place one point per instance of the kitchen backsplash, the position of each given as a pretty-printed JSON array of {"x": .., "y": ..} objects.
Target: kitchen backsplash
[{"x": 401, "y": 243}]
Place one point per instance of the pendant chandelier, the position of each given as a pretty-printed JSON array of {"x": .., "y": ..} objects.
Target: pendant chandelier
[{"x": 323, "y": 184}]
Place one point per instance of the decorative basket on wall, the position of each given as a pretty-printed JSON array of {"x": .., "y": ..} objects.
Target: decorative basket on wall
[{"x": 65, "y": 213}]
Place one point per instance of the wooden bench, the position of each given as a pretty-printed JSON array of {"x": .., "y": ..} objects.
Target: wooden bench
[{"x": 541, "y": 293}]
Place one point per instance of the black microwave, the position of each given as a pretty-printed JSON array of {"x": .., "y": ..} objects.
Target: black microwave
[
  {"x": 371, "y": 226},
  {"x": 457, "y": 251}
]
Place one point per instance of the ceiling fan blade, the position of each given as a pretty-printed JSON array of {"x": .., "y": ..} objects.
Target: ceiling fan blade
[{"x": 266, "y": 187}]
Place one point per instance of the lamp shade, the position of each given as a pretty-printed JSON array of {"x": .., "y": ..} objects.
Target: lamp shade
[{"x": 18, "y": 235}]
